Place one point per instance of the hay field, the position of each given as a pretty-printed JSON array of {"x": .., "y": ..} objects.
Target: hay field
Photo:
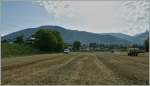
[{"x": 76, "y": 68}]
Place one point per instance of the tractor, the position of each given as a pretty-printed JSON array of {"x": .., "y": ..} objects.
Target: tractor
[{"x": 133, "y": 51}]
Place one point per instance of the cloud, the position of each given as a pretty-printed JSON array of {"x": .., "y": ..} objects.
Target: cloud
[
  {"x": 128, "y": 17},
  {"x": 136, "y": 16},
  {"x": 58, "y": 8}
]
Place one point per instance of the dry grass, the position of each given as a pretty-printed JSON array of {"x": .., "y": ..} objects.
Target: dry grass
[{"x": 76, "y": 68}]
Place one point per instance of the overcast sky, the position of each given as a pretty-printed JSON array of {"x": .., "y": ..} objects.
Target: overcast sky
[{"x": 128, "y": 17}]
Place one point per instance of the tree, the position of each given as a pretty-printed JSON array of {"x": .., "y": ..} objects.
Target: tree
[
  {"x": 4, "y": 41},
  {"x": 146, "y": 44},
  {"x": 60, "y": 42},
  {"x": 76, "y": 45},
  {"x": 19, "y": 39},
  {"x": 135, "y": 46},
  {"x": 47, "y": 40},
  {"x": 93, "y": 45}
]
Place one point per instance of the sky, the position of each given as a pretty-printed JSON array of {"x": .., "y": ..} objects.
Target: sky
[{"x": 128, "y": 17}]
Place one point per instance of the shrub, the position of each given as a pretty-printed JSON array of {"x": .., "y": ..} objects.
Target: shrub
[{"x": 10, "y": 50}]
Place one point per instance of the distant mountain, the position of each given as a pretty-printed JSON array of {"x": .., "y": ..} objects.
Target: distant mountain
[
  {"x": 71, "y": 35},
  {"x": 120, "y": 35},
  {"x": 137, "y": 39},
  {"x": 85, "y": 37}
]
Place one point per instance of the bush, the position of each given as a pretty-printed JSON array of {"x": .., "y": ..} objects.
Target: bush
[
  {"x": 19, "y": 40},
  {"x": 10, "y": 50}
]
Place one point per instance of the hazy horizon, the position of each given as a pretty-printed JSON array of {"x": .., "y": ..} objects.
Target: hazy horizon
[
  {"x": 75, "y": 30},
  {"x": 127, "y": 17}
]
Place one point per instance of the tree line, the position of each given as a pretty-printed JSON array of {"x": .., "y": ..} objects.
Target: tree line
[
  {"x": 51, "y": 41},
  {"x": 45, "y": 40}
]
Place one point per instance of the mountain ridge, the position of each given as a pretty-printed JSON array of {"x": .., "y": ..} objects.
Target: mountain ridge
[{"x": 72, "y": 35}]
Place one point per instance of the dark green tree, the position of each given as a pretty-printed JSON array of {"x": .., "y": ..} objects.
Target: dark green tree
[
  {"x": 65, "y": 45},
  {"x": 135, "y": 46},
  {"x": 45, "y": 40},
  {"x": 19, "y": 39},
  {"x": 4, "y": 41},
  {"x": 146, "y": 44},
  {"x": 76, "y": 45},
  {"x": 93, "y": 45},
  {"x": 60, "y": 42}
]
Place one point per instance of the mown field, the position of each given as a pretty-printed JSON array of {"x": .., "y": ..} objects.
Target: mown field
[{"x": 95, "y": 68}]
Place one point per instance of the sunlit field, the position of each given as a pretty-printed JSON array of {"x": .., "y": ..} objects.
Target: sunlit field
[{"x": 84, "y": 68}]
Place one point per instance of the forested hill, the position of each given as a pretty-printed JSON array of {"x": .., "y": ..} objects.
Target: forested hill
[{"x": 84, "y": 37}]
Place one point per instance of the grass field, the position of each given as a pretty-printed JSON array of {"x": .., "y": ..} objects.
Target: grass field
[{"x": 100, "y": 68}]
